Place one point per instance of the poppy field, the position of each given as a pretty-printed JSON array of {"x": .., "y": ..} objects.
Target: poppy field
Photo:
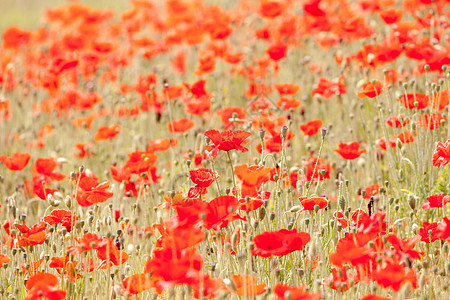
[{"x": 262, "y": 149}]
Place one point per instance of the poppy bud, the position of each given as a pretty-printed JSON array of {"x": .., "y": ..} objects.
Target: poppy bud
[
  {"x": 323, "y": 131},
  {"x": 255, "y": 224},
  {"x": 262, "y": 133},
  {"x": 262, "y": 213},
  {"x": 284, "y": 130},
  {"x": 316, "y": 208},
  {"x": 295, "y": 208},
  {"x": 412, "y": 201},
  {"x": 342, "y": 203},
  {"x": 306, "y": 221},
  {"x": 272, "y": 216},
  {"x": 290, "y": 225}
]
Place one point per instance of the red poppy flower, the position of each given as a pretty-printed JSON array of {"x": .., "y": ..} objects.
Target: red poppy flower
[
  {"x": 431, "y": 121},
  {"x": 391, "y": 16},
  {"x": 136, "y": 283},
  {"x": 14, "y": 37},
  {"x": 106, "y": 133},
  {"x": 313, "y": 167},
  {"x": 310, "y": 203},
  {"x": 178, "y": 234},
  {"x": 17, "y": 161},
  {"x": 180, "y": 126},
  {"x": 443, "y": 229},
  {"x": 227, "y": 113},
  {"x": 271, "y": 9},
  {"x": 4, "y": 259},
  {"x": 161, "y": 145},
  {"x": 90, "y": 191},
  {"x": 88, "y": 242},
  {"x": 328, "y": 88},
  {"x": 170, "y": 267},
  {"x": 252, "y": 178},
  {"x": 44, "y": 285},
  {"x": 279, "y": 243},
  {"x": 350, "y": 150},
  {"x": 246, "y": 286},
  {"x": 392, "y": 143},
  {"x": 287, "y": 103},
  {"x": 287, "y": 88},
  {"x": 415, "y": 101},
  {"x": 405, "y": 137},
  {"x": 340, "y": 280},
  {"x": 46, "y": 167},
  {"x": 440, "y": 100},
  {"x": 61, "y": 216},
  {"x": 65, "y": 267},
  {"x": 371, "y": 89},
  {"x": 227, "y": 140},
  {"x": 36, "y": 235},
  {"x": 311, "y": 128},
  {"x": 286, "y": 292},
  {"x": 221, "y": 211},
  {"x": 211, "y": 287},
  {"x": 372, "y": 190},
  {"x": 250, "y": 204},
  {"x": 395, "y": 276},
  {"x": 441, "y": 155},
  {"x": 108, "y": 251},
  {"x": 394, "y": 121},
  {"x": 437, "y": 200},
  {"x": 424, "y": 232},
  {"x": 404, "y": 248},
  {"x": 277, "y": 51},
  {"x": 203, "y": 177}
]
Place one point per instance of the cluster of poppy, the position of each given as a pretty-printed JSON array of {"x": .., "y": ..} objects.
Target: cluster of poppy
[{"x": 88, "y": 70}]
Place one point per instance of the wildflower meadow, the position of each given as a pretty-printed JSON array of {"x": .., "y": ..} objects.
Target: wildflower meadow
[{"x": 229, "y": 149}]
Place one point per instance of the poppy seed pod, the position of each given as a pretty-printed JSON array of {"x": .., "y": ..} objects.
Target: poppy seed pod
[{"x": 412, "y": 200}]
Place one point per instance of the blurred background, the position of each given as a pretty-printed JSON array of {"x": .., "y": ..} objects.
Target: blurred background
[{"x": 28, "y": 14}]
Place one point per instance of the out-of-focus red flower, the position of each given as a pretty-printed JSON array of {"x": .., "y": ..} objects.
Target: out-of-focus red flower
[
  {"x": 414, "y": 101},
  {"x": 252, "y": 178},
  {"x": 371, "y": 89},
  {"x": 311, "y": 128},
  {"x": 180, "y": 126},
  {"x": 286, "y": 292},
  {"x": 277, "y": 51},
  {"x": 350, "y": 150},
  {"x": 106, "y": 133},
  {"x": 437, "y": 200},
  {"x": 136, "y": 283},
  {"x": 279, "y": 243},
  {"x": 391, "y": 16},
  {"x": 17, "y": 161},
  {"x": 310, "y": 203},
  {"x": 271, "y": 8},
  {"x": 246, "y": 286},
  {"x": 171, "y": 267},
  {"x": 287, "y": 88},
  {"x": 340, "y": 280},
  {"x": 44, "y": 285},
  {"x": 441, "y": 155},
  {"x": 394, "y": 275}
]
